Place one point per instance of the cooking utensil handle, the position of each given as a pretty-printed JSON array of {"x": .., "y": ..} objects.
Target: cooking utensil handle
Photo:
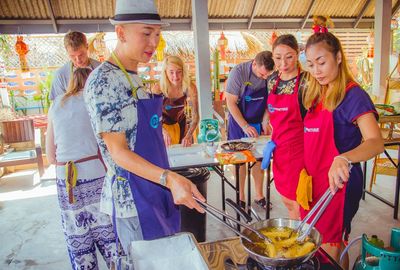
[
  {"x": 313, "y": 210},
  {"x": 316, "y": 218},
  {"x": 216, "y": 217},
  {"x": 212, "y": 210},
  {"x": 255, "y": 214},
  {"x": 236, "y": 207}
]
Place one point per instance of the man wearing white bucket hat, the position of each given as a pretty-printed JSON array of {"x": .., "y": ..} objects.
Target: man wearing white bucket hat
[{"x": 140, "y": 192}]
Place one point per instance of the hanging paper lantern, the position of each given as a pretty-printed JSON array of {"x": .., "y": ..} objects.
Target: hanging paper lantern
[
  {"x": 160, "y": 49},
  {"x": 274, "y": 36},
  {"x": 394, "y": 24},
  {"x": 370, "y": 41},
  {"x": 100, "y": 46},
  {"x": 222, "y": 45},
  {"x": 22, "y": 50}
]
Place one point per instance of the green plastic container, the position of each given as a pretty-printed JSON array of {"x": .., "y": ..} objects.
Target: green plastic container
[
  {"x": 209, "y": 131},
  {"x": 376, "y": 258}
]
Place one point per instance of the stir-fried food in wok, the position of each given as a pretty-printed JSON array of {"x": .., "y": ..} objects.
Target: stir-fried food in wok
[{"x": 284, "y": 244}]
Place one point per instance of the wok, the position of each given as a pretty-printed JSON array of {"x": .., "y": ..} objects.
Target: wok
[{"x": 250, "y": 247}]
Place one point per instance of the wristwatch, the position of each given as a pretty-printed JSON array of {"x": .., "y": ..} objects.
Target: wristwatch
[{"x": 163, "y": 178}]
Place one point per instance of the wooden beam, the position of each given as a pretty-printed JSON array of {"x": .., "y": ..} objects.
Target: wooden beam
[
  {"x": 303, "y": 23},
  {"x": 362, "y": 12},
  {"x": 53, "y": 19},
  {"x": 396, "y": 8},
  {"x": 182, "y": 24},
  {"x": 253, "y": 13}
]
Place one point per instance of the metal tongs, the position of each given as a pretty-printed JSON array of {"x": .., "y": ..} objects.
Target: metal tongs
[
  {"x": 214, "y": 213},
  {"x": 324, "y": 201}
]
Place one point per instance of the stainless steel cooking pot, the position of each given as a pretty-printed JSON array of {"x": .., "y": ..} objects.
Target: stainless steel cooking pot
[{"x": 250, "y": 247}]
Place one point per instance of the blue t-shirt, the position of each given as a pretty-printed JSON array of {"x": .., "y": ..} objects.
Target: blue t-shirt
[
  {"x": 347, "y": 137},
  {"x": 355, "y": 104}
]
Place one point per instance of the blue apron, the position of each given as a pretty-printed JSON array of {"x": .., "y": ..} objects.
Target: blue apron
[
  {"x": 158, "y": 215},
  {"x": 252, "y": 105}
]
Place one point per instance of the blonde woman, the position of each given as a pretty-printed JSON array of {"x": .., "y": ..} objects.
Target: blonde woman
[
  {"x": 72, "y": 147},
  {"x": 178, "y": 93},
  {"x": 340, "y": 131}
]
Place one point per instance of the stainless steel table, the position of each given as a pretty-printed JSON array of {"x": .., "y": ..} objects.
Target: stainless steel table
[{"x": 195, "y": 157}]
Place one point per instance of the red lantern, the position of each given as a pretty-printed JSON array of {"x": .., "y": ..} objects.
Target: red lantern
[
  {"x": 22, "y": 50},
  {"x": 222, "y": 45},
  {"x": 274, "y": 36}
]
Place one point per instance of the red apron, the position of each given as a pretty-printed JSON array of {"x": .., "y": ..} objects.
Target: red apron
[
  {"x": 287, "y": 133},
  {"x": 319, "y": 152}
]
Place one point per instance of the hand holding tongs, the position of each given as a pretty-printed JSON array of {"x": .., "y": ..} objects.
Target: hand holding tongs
[
  {"x": 214, "y": 211},
  {"x": 324, "y": 200}
]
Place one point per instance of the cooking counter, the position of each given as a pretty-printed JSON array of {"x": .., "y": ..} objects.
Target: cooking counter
[
  {"x": 195, "y": 156},
  {"x": 218, "y": 252}
]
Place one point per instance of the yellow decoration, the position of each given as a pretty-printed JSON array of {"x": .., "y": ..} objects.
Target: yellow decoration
[
  {"x": 71, "y": 177},
  {"x": 160, "y": 49},
  {"x": 97, "y": 46},
  {"x": 304, "y": 190}
]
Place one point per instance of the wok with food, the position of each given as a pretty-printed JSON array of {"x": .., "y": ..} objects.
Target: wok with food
[
  {"x": 284, "y": 250},
  {"x": 271, "y": 242}
]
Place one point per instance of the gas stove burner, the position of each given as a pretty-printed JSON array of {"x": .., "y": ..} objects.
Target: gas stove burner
[{"x": 311, "y": 264}]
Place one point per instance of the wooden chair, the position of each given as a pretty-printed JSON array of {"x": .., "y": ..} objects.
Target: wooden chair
[
  {"x": 20, "y": 135},
  {"x": 387, "y": 165}
]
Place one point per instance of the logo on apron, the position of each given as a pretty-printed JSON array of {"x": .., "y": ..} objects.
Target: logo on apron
[
  {"x": 249, "y": 98},
  {"x": 311, "y": 130},
  {"x": 272, "y": 109},
  {"x": 154, "y": 121}
]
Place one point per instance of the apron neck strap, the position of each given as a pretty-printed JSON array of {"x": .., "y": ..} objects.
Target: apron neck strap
[
  {"x": 251, "y": 69},
  {"x": 296, "y": 87},
  {"x": 133, "y": 88}
]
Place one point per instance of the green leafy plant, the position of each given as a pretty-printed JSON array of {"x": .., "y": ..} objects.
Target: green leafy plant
[
  {"x": 45, "y": 87},
  {"x": 5, "y": 47}
]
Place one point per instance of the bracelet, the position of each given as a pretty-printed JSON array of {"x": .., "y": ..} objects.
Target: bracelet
[
  {"x": 344, "y": 158},
  {"x": 245, "y": 127},
  {"x": 163, "y": 178}
]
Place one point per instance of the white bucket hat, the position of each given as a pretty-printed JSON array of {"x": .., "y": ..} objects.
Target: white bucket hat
[{"x": 136, "y": 11}]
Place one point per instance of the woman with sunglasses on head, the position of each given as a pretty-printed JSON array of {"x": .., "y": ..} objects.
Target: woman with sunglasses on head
[{"x": 285, "y": 115}]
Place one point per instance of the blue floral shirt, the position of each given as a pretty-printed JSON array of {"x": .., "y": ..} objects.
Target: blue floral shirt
[{"x": 112, "y": 108}]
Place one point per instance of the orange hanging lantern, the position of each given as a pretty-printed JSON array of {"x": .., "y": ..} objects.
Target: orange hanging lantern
[
  {"x": 222, "y": 46},
  {"x": 370, "y": 41},
  {"x": 274, "y": 36},
  {"x": 22, "y": 50},
  {"x": 160, "y": 49}
]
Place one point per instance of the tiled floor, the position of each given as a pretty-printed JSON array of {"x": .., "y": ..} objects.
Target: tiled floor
[{"x": 31, "y": 235}]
